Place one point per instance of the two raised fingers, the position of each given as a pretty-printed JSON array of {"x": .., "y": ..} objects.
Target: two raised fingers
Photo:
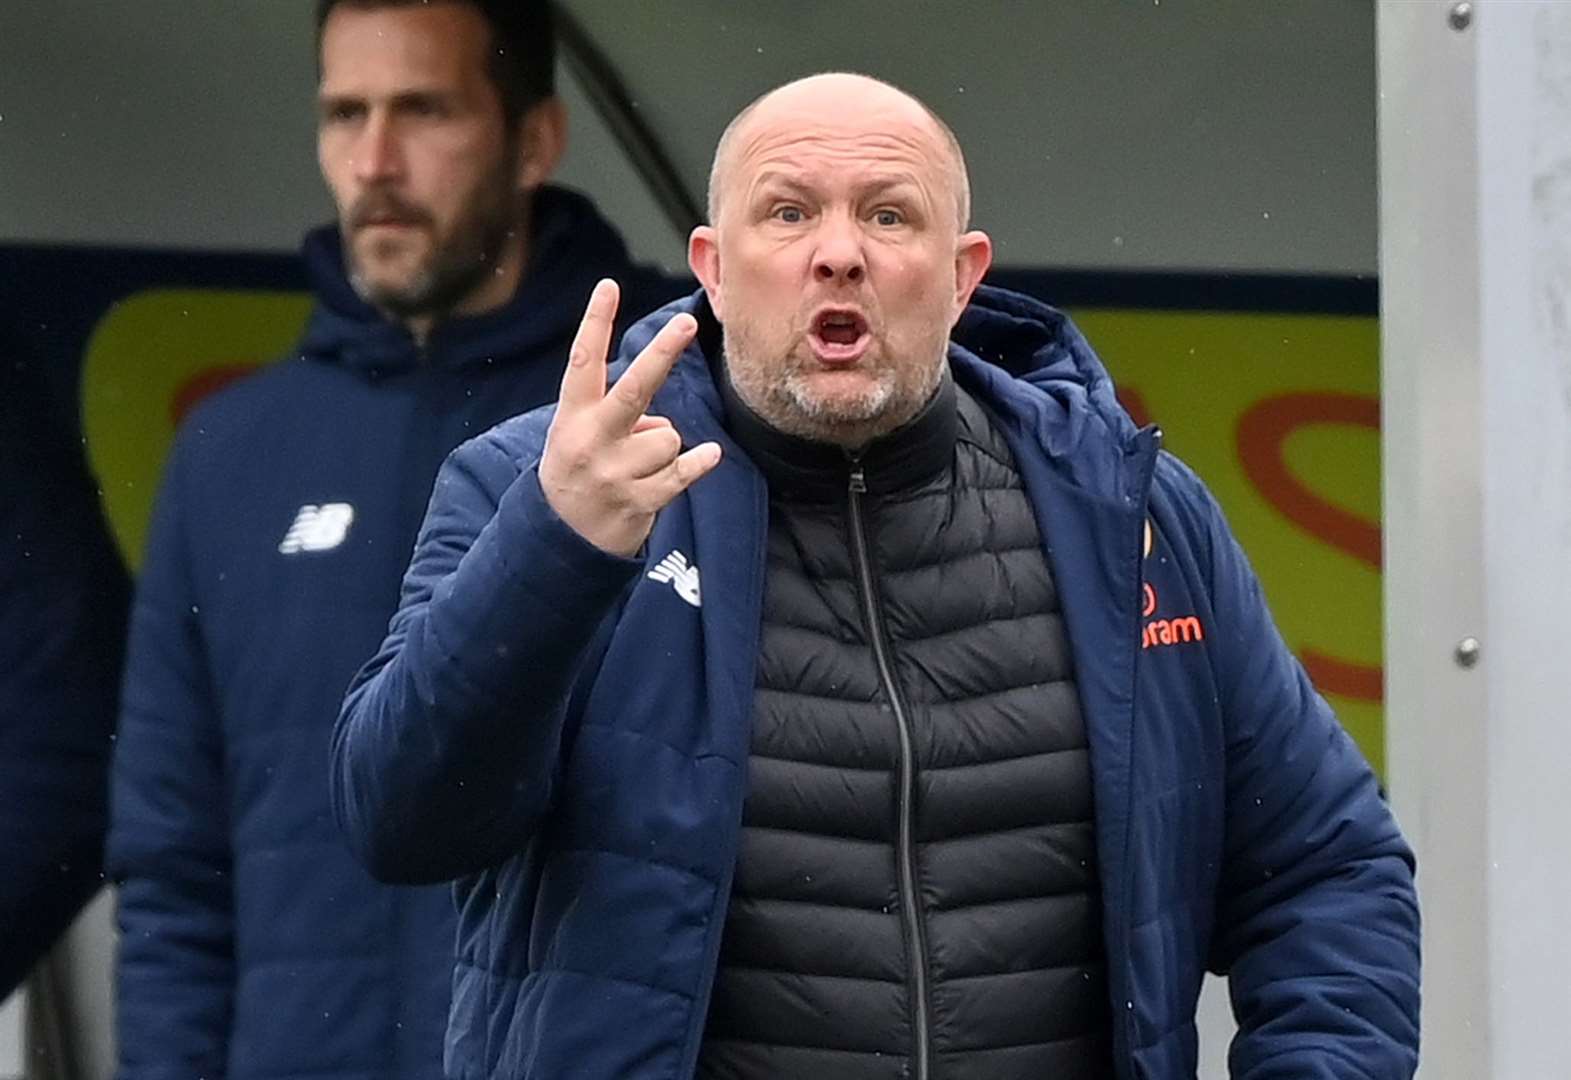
[
  {"x": 609, "y": 467},
  {"x": 584, "y": 381}
]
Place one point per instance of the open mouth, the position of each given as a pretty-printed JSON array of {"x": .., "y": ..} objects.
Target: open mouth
[{"x": 839, "y": 335}]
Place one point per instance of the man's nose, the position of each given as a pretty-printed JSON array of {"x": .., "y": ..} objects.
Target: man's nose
[
  {"x": 378, "y": 156},
  {"x": 839, "y": 257}
]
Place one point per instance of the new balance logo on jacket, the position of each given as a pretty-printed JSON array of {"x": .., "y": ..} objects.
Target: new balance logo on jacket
[
  {"x": 683, "y": 578},
  {"x": 318, "y": 528}
]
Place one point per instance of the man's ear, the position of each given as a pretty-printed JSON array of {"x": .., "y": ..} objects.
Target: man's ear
[
  {"x": 973, "y": 256},
  {"x": 703, "y": 259},
  {"x": 542, "y": 138}
]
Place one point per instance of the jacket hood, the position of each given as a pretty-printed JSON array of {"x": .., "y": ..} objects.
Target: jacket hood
[
  {"x": 1075, "y": 411},
  {"x": 1038, "y": 344},
  {"x": 1024, "y": 357},
  {"x": 571, "y": 247}
]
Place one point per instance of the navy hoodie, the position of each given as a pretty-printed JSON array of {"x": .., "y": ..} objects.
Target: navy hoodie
[{"x": 252, "y": 944}]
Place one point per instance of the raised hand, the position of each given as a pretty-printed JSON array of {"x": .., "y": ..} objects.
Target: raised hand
[{"x": 608, "y": 467}]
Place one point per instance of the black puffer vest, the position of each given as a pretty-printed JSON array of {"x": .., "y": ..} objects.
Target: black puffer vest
[{"x": 916, "y": 893}]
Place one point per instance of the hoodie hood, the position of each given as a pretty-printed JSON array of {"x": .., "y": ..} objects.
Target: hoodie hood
[
  {"x": 571, "y": 247},
  {"x": 1024, "y": 358}
]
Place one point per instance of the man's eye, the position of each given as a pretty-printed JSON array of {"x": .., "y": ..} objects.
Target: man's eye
[
  {"x": 791, "y": 215},
  {"x": 888, "y": 217}
]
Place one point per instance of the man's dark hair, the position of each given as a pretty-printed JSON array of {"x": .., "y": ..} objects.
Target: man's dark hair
[{"x": 522, "y": 48}]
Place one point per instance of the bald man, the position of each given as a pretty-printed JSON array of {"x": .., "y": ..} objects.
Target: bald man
[{"x": 842, "y": 687}]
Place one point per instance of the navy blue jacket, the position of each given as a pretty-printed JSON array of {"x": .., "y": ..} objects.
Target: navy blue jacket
[
  {"x": 573, "y": 735},
  {"x": 63, "y": 598},
  {"x": 253, "y": 944}
]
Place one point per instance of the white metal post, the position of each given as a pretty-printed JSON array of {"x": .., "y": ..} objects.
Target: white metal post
[
  {"x": 11, "y": 1056},
  {"x": 1475, "y": 172}
]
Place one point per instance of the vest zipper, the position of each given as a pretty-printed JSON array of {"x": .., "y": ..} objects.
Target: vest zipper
[{"x": 910, "y": 909}]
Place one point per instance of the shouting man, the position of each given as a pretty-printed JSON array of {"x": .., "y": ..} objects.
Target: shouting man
[{"x": 787, "y": 707}]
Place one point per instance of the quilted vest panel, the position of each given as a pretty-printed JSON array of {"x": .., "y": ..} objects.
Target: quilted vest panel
[{"x": 916, "y": 893}]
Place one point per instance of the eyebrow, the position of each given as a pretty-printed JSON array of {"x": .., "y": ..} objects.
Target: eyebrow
[
  {"x": 879, "y": 187},
  {"x": 780, "y": 178},
  {"x": 399, "y": 99}
]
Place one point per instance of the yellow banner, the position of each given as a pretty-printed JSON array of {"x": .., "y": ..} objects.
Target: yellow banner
[{"x": 1280, "y": 415}]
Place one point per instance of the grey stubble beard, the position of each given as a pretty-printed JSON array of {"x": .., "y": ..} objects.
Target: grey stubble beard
[{"x": 787, "y": 403}]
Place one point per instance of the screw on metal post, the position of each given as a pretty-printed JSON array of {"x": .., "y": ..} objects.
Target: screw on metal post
[
  {"x": 1467, "y": 652},
  {"x": 1461, "y": 16}
]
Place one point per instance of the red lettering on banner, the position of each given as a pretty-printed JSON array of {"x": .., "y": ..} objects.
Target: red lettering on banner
[{"x": 1262, "y": 434}]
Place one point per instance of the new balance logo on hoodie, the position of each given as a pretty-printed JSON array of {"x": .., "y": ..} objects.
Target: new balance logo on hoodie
[
  {"x": 682, "y": 577},
  {"x": 318, "y": 528}
]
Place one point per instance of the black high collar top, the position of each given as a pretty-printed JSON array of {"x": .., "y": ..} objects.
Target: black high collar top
[{"x": 803, "y": 469}]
